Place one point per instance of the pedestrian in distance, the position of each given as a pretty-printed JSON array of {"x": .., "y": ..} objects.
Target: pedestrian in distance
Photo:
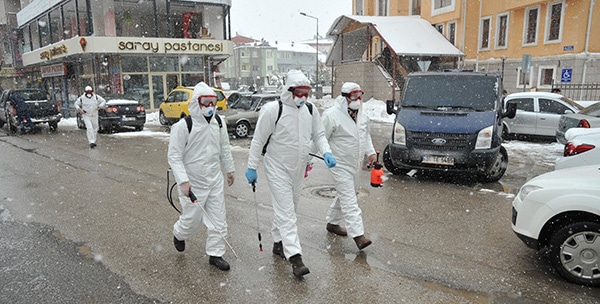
[
  {"x": 556, "y": 91},
  {"x": 196, "y": 154},
  {"x": 347, "y": 130},
  {"x": 22, "y": 111},
  {"x": 288, "y": 128},
  {"x": 88, "y": 105}
]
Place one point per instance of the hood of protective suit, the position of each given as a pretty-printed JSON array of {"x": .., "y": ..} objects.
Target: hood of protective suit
[
  {"x": 294, "y": 78},
  {"x": 200, "y": 89},
  {"x": 348, "y": 87}
]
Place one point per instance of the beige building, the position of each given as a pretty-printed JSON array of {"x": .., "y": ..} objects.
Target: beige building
[{"x": 535, "y": 45}]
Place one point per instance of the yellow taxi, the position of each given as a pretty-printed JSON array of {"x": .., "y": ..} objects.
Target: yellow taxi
[{"x": 175, "y": 105}]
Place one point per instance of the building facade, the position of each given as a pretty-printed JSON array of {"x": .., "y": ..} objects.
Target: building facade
[
  {"x": 141, "y": 49},
  {"x": 534, "y": 44}
]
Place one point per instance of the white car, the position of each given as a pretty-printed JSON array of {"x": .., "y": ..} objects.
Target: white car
[
  {"x": 537, "y": 114},
  {"x": 560, "y": 211},
  {"x": 582, "y": 148}
]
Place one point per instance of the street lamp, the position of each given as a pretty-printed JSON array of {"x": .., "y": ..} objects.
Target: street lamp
[{"x": 317, "y": 55}]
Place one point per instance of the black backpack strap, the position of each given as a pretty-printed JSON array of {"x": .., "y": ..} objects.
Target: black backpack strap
[
  {"x": 188, "y": 122},
  {"x": 309, "y": 106},
  {"x": 264, "y": 149},
  {"x": 219, "y": 120}
]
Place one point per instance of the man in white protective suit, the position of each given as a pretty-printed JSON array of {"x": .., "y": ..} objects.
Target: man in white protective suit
[
  {"x": 347, "y": 130},
  {"x": 289, "y": 141},
  {"x": 88, "y": 105},
  {"x": 195, "y": 157}
]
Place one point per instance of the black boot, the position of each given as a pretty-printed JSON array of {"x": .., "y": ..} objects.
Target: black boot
[
  {"x": 219, "y": 262},
  {"x": 278, "y": 249},
  {"x": 179, "y": 245},
  {"x": 298, "y": 267}
]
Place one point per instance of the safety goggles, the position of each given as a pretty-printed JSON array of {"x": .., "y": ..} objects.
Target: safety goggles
[
  {"x": 355, "y": 95},
  {"x": 207, "y": 100},
  {"x": 303, "y": 91}
]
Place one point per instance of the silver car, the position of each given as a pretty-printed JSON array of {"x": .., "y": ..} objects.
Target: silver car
[
  {"x": 589, "y": 117},
  {"x": 537, "y": 114},
  {"x": 242, "y": 116}
]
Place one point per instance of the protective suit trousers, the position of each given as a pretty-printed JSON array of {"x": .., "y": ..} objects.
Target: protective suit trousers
[
  {"x": 91, "y": 125},
  {"x": 192, "y": 217},
  {"x": 285, "y": 195},
  {"x": 345, "y": 206}
]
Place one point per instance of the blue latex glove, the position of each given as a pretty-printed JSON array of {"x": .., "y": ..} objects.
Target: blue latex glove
[
  {"x": 329, "y": 160},
  {"x": 251, "y": 175}
]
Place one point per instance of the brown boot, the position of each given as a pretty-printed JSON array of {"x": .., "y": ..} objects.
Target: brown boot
[
  {"x": 362, "y": 242},
  {"x": 298, "y": 267},
  {"x": 336, "y": 229}
]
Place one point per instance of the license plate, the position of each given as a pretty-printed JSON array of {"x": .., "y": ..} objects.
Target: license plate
[
  {"x": 127, "y": 118},
  {"x": 438, "y": 160}
]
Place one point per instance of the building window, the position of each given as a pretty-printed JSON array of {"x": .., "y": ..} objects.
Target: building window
[
  {"x": 484, "y": 40},
  {"x": 269, "y": 68},
  {"x": 451, "y": 35},
  {"x": 244, "y": 67},
  {"x": 242, "y": 54},
  {"x": 442, "y": 6},
  {"x": 415, "y": 7},
  {"x": 546, "y": 76},
  {"x": 554, "y": 22},
  {"x": 254, "y": 54},
  {"x": 269, "y": 54},
  {"x": 382, "y": 7},
  {"x": 531, "y": 25},
  {"x": 523, "y": 79},
  {"x": 502, "y": 31},
  {"x": 359, "y": 7}
]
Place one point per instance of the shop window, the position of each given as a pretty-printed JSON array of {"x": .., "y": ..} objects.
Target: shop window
[
  {"x": 70, "y": 20},
  {"x": 44, "y": 29},
  {"x": 131, "y": 64},
  {"x": 192, "y": 64},
  {"x": 163, "y": 64}
]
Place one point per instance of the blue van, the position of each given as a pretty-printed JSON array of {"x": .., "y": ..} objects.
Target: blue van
[{"x": 449, "y": 121}]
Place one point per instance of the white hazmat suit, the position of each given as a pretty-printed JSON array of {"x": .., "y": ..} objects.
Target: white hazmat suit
[
  {"x": 196, "y": 157},
  {"x": 286, "y": 157},
  {"x": 350, "y": 141},
  {"x": 89, "y": 103}
]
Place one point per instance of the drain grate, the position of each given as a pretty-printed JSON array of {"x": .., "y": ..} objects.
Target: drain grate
[{"x": 325, "y": 192}]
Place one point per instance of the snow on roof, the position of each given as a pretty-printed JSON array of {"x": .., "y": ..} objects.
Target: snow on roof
[
  {"x": 404, "y": 35},
  {"x": 294, "y": 47}
]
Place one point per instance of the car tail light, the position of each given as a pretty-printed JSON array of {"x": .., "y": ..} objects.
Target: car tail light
[
  {"x": 111, "y": 109},
  {"x": 140, "y": 109},
  {"x": 571, "y": 149},
  {"x": 583, "y": 124},
  {"x": 58, "y": 107}
]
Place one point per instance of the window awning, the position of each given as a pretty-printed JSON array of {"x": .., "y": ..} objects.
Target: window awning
[{"x": 403, "y": 35}]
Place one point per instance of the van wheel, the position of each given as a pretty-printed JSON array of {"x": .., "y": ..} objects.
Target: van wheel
[
  {"x": 574, "y": 252},
  {"x": 387, "y": 162},
  {"x": 497, "y": 170},
  {"x": 53, "y": 125}
]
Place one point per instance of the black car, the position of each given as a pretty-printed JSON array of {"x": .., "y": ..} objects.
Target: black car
[
  {"x": 120, "y": 111},
  {"x": 40, "y": 108}
]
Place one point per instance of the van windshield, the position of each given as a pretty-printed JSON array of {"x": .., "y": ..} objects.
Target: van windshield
[{"x": 451, "y": 92}]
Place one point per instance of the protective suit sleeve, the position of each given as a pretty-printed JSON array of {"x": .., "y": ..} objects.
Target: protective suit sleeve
[
  {"x": 77, "y": 103},
  {"x": 225, "y": 155},
  {"x": 318, "y": 133},
  {"x": 101, "y": 102},
  {"x": 365, "y": 134},
  {"x": 264, "y": 128},
  {"x": 177, "y": 143},
  {"x": 328, "y": 125}
]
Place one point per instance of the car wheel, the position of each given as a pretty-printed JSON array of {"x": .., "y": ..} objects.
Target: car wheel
[
  {"x": 497, "y": 170},
  {"x": 505, "y": 134},
  {"x": 1, "y": 123},
  {"x": 242, "y": 129},
  {"x": 53, "y": 125},
  {"x": 163, "y": 119},
  {"x": 387, "y": 162},
  {"x": 139, "y": 128},
  {"x": 80, "y": 123},
  {"x": 575, "y": 253}
]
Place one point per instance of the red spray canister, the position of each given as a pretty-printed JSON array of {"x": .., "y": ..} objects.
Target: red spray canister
[{"x": 377, "y": 173}]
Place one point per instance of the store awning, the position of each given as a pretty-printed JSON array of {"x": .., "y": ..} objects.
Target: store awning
[{"x": 403, "y": 35}]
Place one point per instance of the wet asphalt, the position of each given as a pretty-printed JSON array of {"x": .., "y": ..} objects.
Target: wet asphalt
[{"x": 93, "y": 226}]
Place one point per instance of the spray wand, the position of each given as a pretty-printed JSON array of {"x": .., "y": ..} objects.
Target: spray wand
[{"x": 257, "y": 222}]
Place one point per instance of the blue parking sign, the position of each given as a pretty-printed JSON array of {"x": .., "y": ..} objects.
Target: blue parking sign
[{"x": 566, "y": 75}]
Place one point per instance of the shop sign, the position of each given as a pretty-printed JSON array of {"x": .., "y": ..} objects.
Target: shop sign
[
  {"x": 54, "y": 51},
  {"x": 52, "y": 70},
  {"x": 175, "y": 46}
]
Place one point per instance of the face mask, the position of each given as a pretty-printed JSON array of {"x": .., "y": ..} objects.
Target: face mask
[
  {"x": 88, "y": 95},
  {"x": 354, "y": 105},
  {"x": 208, "y": 111},
  {"x": 299, "y": 101}
]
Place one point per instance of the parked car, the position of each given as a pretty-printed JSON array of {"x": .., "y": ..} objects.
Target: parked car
[
  {"x": 176, "y": 104},
  {"x": 559, "y": 213},
  {"x": 41, "y": 109},
  {"x": 582, "y": 149},
  {"x": 242, "y": 117},
  {"x": 120, "y": 111},
  {"x": 589, "y": 117},
  {"x": 537, "y": 114},
  {"x": 235, "y": 96}
]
